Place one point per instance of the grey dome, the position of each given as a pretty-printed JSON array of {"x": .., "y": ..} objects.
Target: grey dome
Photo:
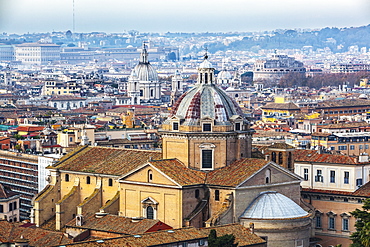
[
  {"x": 224, "y": 75},
  {"x": 144, "y": 70},
  {"x": 273, "y": 205}
]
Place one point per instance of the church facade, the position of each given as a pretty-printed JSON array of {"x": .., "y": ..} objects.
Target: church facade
[{"x": 204, "y": 175}]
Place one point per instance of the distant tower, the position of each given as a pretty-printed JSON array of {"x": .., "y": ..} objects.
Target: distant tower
[
  {"x": 177, "y": 87},
  {"x": 8, "y": 82},
  {"x": 133, "y": 89}
]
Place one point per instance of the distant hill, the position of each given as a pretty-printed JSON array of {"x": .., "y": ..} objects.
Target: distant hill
[{"x": 337, "y": 39}]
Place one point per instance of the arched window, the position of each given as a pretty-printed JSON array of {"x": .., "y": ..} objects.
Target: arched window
[
  {"x": 66, "y": 177},
  {"x": 217, "y": 195},
  {"x": 280, "y": 158},
  {"x": 110, "y": 182},
  {"x": 273, "y": 157},
  {"x": 149, "y": 212},
  {"x": 268, "y": 176},
  {"x": 150, "y": 176},
  {"x": 88, "y": 180}
]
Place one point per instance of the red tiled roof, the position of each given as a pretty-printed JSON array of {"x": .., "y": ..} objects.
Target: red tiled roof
[
  {"x": 331, "y": 192},
  {"x": 10, "y": 232},
  {"x": 6, "y": 193},
  {"x": 118, "y": 224},
  {"x": 235, "y": 173},
  {"x": 179, "y": 172},
  {"x": 313, "y": 156},
  {"x": 102, "y": 160},
  {"x": 242, "y": 236}
]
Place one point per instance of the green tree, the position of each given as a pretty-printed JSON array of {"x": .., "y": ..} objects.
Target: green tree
[
  {"x": 223, "y": 241},
  {"x": 361, "y": 238}
]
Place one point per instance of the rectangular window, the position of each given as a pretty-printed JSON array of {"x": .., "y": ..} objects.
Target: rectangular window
[
  {"x": 331, "y": 223},
  {"x": 346, "y": 177},
  {"x": 206, "y": 159},
  {"x": 305, "y": 174},
  {"x": 237, "y": 126},
  {"x": 332, "y": 176},
  {"x": 359, "y": 182},
  {"x": 175, "y": 126},
  {"x": 1, "y": 208},
  {"x": 11, "y": 206},
  {"x": 318, "y": 177},
  {"x": 360, "y": 147},
  {"x": 352, "y": 147},
  {"x": 345, "y": 225},
  {"x": 207, "y": 127}
]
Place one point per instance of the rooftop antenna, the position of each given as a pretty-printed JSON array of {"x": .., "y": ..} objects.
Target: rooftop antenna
[{"x": 206, "y": 55}]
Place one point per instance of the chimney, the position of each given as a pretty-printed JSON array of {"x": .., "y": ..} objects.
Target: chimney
[{"x": 364, "y": 157}]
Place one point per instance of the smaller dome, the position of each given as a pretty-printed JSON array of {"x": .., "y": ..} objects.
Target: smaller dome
[
  {"x": 273, "y": 205},
  {"x": 224, "y": 75}
]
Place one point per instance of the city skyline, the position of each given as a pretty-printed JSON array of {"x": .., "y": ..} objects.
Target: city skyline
[{"x": 22, "y": 16}]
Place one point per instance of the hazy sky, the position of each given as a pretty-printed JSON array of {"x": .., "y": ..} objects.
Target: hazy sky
[{"x": 21, "y": 16}]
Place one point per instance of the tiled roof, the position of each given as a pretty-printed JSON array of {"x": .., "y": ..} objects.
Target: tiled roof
[
  {"x": 101, "y": 160},
  {"x": 242, "y": 236},
  {"x": 235, "y": 173},
  {"x": 179, "y": 172},
  {"x": 118, "y": 224},
  {"x": 364, "y": 190},
  {"x": 6, "y": 193},
  {"x": 281, "y": 106},
  {"x": 330, "y": 192},
  {"x": 346, "y": 125},
  {"x": 9, "y": 232},
  {"x": 313, "y": 156},
  {"x": 343, "y": 103},
  {"x": 281, "y": 145}
]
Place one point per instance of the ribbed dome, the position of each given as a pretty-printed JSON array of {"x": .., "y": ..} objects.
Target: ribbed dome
[
  {"x": 144, "y": 70},
  {"x": 206, "y": 100},
  {"x": 273, "y": 205}
]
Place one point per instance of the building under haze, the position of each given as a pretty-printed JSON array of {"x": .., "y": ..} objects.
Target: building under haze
[{"x": 276, "y": 67}]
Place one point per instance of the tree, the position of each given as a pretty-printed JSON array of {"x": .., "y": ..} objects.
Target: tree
[
  {"x": 223, "y": 241},
  {"x": 361, "y": 238}
]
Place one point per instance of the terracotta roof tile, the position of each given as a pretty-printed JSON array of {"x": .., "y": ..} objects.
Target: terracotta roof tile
[
  {"x": 235, "y": 173},
  {"x": 118, "y": 224},
  {"x": 242, "y": 236},
  {"x": 6, "y": 193},
  {"x": 101, "y": 160},
  {"x": 9, "y": 232},
  {"x": 313, "y": 156},
  {"x": 179, "y": 172}
]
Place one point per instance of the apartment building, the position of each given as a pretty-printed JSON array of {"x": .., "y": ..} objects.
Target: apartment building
[
  {"x": 37, "y": 53},
  {"x": 26, "y": 174}
]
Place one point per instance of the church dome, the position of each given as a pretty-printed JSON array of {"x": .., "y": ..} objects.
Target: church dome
[
  {"x": 273, "y": 205},
  {"x": 144, "y": 70},
  {"x": 224, "y": 75},
  {"x": 205, "y": 99}
]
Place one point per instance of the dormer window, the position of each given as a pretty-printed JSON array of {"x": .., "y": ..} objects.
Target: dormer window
[
  {"x": 237, "y": 126},
  {"x": 207, "y": 127},
  {"x": 175, "y": 126}
]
